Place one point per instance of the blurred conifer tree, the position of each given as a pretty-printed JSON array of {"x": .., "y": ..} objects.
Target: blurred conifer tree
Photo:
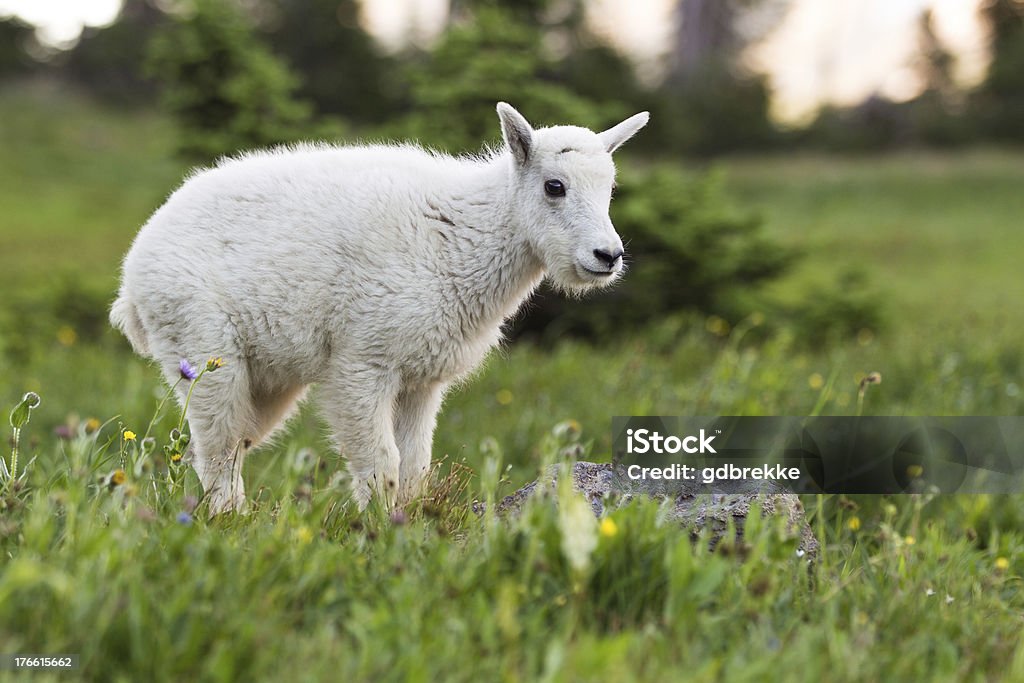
[{"x": 227, "y": 91}]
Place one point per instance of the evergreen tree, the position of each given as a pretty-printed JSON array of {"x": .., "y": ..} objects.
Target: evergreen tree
[
  {"x": 227, "y": 91},
  {"x": 14, "y": 36},
  {"x": 108, "y": 61},
  {"x": 344, "y": 72},
  {"x": 712, "y": 102},
  {"x": 492, "y": 57},
  {"x": 1000, "y": 101}
]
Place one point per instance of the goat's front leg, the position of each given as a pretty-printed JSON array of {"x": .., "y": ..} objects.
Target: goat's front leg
[
  {"x": 415, "y": 417},
  {"x": 358, "y": 402}
]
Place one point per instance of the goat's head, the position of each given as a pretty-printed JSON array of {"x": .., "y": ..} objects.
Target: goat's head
[{"x": 562, "y": 183}]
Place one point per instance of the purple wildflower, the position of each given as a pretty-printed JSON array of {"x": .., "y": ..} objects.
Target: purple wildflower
[
  {"x": 63, "y": 432},
  {"x": 184, "y": 518},
  {"x": 187, "y": 371}
]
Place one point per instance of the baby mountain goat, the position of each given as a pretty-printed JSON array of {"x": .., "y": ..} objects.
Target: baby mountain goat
[{"x": 381, "y": 273}]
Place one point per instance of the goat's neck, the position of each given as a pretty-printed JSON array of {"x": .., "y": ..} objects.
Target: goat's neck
[{"x": 493, "y": 267}]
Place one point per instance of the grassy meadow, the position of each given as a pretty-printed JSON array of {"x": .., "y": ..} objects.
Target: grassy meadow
[{"x": 134, "y": 579}]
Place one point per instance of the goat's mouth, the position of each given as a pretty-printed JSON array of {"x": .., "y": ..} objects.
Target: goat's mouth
[
  {"x": 600, "y": 273},
  {"x": 590, "y": 275}
]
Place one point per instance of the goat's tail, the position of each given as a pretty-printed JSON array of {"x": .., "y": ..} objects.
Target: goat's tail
[{"x": 125, "y": 317}]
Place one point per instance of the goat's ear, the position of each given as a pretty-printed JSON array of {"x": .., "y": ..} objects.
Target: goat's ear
[
  {"x": 616, "y": 135},
  {"x": 516, "y": 131}
]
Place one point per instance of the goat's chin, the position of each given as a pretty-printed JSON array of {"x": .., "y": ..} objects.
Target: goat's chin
[{"x": 573, "y": 281}]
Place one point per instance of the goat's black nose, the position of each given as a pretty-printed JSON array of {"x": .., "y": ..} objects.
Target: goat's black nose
[{"x": 608, "y": 258}]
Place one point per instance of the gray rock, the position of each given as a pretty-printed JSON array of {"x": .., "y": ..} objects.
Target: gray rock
[{"x": 691, "y": 504}]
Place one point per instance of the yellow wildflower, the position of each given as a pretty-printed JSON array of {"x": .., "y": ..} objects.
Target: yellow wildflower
[
  {"x": 608, "y": 527},
  {"x": 67, "y": 336},
  {"x": 92, "y": 425},
  {"x": 717, "y": 326},
  {"x": 816, "y": 381},
  {"x": 214, "y": 363},
  {"x": 1002, "y": 564},
  {"x": 504, "y": 397},
  {"x": 853, "y": 524},
  {"x": 129, "y": 435},
  {"x": 117, "y": 478}
]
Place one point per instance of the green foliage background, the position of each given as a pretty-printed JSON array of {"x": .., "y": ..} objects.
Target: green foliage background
[{"x": 758, "y": 285}]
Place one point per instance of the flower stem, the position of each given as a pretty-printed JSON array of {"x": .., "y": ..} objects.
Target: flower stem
[
  {"x": 14, "y": 454},
  {"x": 188, "y": 397},
  {"x": 160, "y": 408}
]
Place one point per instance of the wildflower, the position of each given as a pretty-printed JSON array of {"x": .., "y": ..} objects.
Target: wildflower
[
  {"x": 145, "y": 514},
  {"x": 67, "y": 336},
  {"x": 816, "y": 381},
  {"x": 871, "y": 378},
  {"x": 117, "y": 478},
  {"x": 910, "y": 540},
  {"x": 608, "y": 527},
  {"x": 949, "y": 599},
  {"x": 187, "y": 371},
  {"x": 578, "y": 526},
  {"x": 63, "y": 432},
  {"x": 184, "y": 518},
  {"x": 23, "y": 411},
  {"x": 175, "y": 457},
  {"x": 865, "y": 382},
  {"x": 214, "y": 364},
  {"x": 129, "y": 435},
  {"x": 853, "y": 524},
  {"x": 570, "y": 429},
  {"x": 1002, "y": 564},
  {"x": 92, "y": 425},
  {"x": 504, "y": 397},
  {"x": 717, "y": 326},
  {"x": 929, "y": 592},
  {"x": 303, "y": 535},
  {"x": 398, "y": 518}
]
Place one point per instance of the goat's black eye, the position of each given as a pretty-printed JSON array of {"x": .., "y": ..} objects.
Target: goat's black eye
[{"x": 554, "y": 188}]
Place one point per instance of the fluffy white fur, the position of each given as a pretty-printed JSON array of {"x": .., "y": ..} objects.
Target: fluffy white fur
[{"x": 381, "y": 273}]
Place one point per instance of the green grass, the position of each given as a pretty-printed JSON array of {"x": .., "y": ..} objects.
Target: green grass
[
  {"x": 306, "y": 588},
  {"x": 938, "y": 233}
]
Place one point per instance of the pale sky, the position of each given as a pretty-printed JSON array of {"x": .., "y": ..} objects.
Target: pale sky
[{"x": 824, "y": 50}]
